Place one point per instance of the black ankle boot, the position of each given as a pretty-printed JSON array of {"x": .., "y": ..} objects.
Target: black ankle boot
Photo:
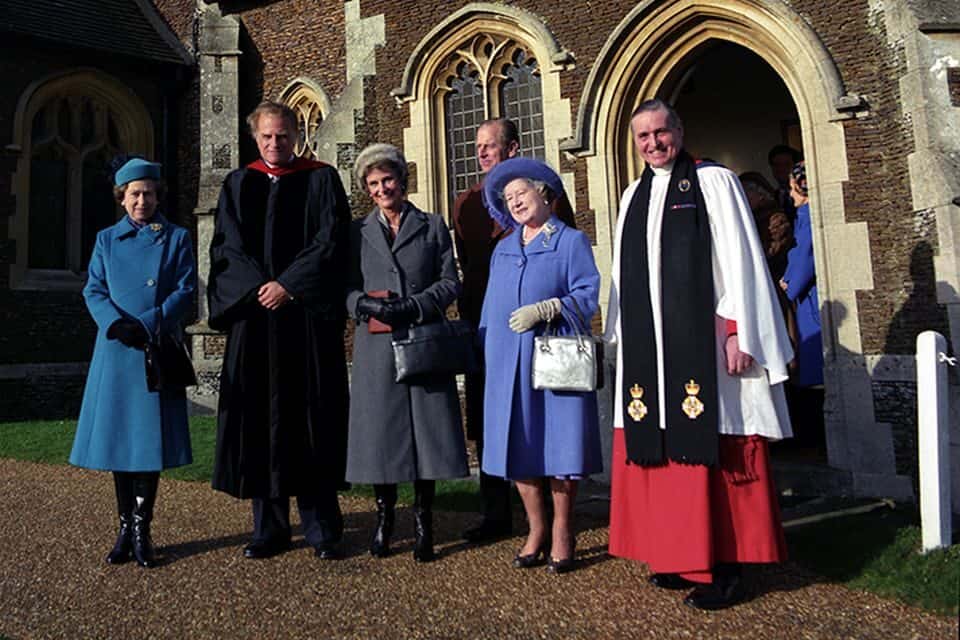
[
  {"x": 123, "y": 548},
  {"x": 145, "y": 495},
  {"x": 386, "y": 495},
  {"x": 423, "y": 491}
]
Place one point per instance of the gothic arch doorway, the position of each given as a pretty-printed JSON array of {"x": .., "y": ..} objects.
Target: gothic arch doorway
[
  {"x": 646, "y": 56},
  {"x": 735, "y": 107}
]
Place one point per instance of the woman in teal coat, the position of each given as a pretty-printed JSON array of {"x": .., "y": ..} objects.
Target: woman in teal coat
[{"x": 140, "y": 284}]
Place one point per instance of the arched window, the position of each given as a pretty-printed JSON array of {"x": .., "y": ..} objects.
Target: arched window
[
  {"x": 68, "y": 129},
  {"x": 72, "y": 140},
  {"x": 311, "y": 105},
  {"x": 489, "y": 76}
]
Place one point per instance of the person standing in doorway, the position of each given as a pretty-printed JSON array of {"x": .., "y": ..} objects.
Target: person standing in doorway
[
  {"x": 781, "y": 159},
  {"x": 278, "y": 269},
  {"x": 700, "y": 337},
  {"x": 475, "y": 236}
]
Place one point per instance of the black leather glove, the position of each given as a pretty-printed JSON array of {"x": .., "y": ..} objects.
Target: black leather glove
[
  {"x": 369, "y": 307},
  {"x": 401, "y": 312},
  {"x": 129, "y": 332}
]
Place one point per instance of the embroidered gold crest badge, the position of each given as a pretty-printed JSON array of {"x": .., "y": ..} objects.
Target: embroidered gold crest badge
[
  {"x": 684, "y": 185},
  {"x": 636, "y": 409},
  {"x": 691, "y": 404}
]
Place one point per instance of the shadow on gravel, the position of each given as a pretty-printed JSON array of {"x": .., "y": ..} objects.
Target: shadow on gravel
[{"x": 173, "y": 552}]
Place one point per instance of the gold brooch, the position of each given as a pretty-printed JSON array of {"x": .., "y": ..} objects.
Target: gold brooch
[
  {"x": 684, "y": 185},
  {"x": 691, "y": 404},
  {"x": 156, "y": 226},
  {"x": 636, "y": 409}
]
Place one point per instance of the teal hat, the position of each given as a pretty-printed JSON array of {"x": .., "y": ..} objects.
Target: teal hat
[{"x": 136, "y": 169}]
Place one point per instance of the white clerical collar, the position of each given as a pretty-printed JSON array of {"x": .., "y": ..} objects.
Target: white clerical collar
[{"x": 665, "y": 170}]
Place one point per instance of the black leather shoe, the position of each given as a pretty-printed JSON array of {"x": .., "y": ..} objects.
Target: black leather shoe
[
  {"x": 488, "y": 531},
  {"x": 327, "y": 551},
  {"x": 716, "y": 595},
  {"x": 560, "y": 566},
  {"x": 261, "y": 549},
  {"x": 563, "y": 565},
  {"x": 670, "y": 581},
  {"x": 529, "y": 560}
]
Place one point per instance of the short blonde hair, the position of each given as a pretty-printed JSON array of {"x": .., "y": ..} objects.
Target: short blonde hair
[
  {"x": 269, "y": 107},
  {"x": 385, "y": 157}
]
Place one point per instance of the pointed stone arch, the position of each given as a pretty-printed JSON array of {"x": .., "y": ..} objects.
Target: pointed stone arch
[
  {"x": 420, "y": 90},
  {"x": 645, "y": 57},
  {"x": 311, "y": 104},
  {"x": 133, "y": 131}
]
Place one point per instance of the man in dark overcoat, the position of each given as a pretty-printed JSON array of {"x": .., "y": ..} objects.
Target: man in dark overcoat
[{"x": 278, "y": 264}]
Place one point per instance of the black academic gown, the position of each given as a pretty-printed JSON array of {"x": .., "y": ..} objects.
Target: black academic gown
[{"x": 282, "y": 418}]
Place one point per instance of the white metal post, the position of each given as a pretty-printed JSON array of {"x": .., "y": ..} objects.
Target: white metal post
[{"x": 933, "y": 440}]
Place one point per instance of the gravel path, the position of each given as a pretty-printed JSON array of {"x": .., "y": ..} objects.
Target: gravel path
[{"x": 57, "y": 524}]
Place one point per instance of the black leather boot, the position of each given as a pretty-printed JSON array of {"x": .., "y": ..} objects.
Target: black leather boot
[
  {"x": 386, "y": 495},
  {"x": 423, "y": 491},
  {"x": 123, "y": 548},
  {"x": 145, "y": 495}
]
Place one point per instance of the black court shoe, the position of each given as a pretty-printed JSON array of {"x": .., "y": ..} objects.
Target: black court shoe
[
  {"x": 726, "y": 590},
  {"x": 670, "y": 581}
]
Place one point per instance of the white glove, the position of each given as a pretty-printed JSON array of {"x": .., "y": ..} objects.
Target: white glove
[{"x": 529, "y": 315}]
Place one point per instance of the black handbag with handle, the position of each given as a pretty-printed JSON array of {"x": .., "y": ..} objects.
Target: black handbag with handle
[
  {"x": 435, "y": 348},
  {"x": 167, "y": 364}
]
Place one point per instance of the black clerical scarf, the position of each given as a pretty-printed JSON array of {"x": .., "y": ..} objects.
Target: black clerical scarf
[{"x": 690, "y": 375}]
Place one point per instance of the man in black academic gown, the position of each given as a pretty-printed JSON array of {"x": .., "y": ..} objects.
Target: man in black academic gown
[{"x": 276, "y": 288}]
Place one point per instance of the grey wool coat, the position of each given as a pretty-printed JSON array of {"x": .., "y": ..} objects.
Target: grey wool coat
[{"x": 401, "y": 432}]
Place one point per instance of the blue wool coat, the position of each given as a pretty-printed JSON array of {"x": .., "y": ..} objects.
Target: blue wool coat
[
  {"x": 148, "y": 275},
  {"x": 530, "y": 433},
  {"x": 802, "y": 289}
]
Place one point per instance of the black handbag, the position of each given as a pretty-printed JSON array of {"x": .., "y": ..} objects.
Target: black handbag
[
  {"x": 442, "y": 347},
  {"x": 167, "y": 364}
]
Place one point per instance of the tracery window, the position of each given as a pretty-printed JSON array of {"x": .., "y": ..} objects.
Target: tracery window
[
  {"x": 488, "y": 77},
  {"x": 72, "y": 139},
  {"x": 310, "y": 107}
]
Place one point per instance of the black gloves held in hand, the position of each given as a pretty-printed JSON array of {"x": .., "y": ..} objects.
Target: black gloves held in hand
[
  {"x": 401, "y": 312},
  {"x": 370, "y": 307},
  {"x": 396, "y": 312},
  {"x": 129, "y": 332}
]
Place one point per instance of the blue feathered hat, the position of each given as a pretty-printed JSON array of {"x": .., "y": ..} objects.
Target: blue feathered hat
[{"x": 510, "y": 169}]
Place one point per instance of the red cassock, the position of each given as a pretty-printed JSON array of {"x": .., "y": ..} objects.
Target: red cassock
[{"x": 685, "y": 519}]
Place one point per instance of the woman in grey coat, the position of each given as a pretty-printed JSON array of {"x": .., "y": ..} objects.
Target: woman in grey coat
[{"x": 402, "y": 274}]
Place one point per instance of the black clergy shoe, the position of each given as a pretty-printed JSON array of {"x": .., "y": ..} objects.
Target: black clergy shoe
[
  {"x": 719, "y": 594},
  {"x": 488, "y": 531},
  {"x": 327, "y": 551},
  {"x": 670, "y": 581},
  {"x": 261, "y": 549}
]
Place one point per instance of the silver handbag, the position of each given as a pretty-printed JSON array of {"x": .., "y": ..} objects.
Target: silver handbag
[{"x": 568, "y": 363}]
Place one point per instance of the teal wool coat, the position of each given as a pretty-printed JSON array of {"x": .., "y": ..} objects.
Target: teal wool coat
[{"x": 150, "y": 276}]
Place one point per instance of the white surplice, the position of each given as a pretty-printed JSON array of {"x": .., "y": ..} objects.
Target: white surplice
[{"x": 752, "y": 403}]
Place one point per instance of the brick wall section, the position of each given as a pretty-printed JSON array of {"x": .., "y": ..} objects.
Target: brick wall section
[{"x": 282, "y": 41}]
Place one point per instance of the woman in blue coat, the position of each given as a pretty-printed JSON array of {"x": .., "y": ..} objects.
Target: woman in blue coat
[
  {"x": 543, "y": 271},
  {"x": 140, "y": 285},
  {"x": 800, "y": 284}
]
